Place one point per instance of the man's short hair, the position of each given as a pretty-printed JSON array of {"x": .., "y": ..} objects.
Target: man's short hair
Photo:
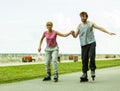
[{"x": 83, "y": 13}]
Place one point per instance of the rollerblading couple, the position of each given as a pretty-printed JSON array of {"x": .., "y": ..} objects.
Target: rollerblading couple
[{"x": 85, "y": 31}]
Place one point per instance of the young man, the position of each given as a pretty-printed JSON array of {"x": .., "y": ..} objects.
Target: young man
[{"x": 88, "y": 44}]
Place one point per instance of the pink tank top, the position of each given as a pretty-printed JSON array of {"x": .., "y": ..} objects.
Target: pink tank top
[{"x": 51, "y": 38}]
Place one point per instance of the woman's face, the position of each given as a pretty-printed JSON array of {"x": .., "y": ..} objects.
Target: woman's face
[{"x": 49, "y": 26}]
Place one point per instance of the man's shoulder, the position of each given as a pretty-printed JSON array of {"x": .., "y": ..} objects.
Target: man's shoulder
[
  {"x": 79, "y": 24},
  {"x": 91, "y": 23},
  {"x": 78, "y": 27}
]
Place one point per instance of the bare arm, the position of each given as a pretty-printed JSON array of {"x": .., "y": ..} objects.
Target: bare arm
[
  {"x": 41, "y": 40},
  {"x": 102, "y": 29},
  {"x": 63, "y": 35}
]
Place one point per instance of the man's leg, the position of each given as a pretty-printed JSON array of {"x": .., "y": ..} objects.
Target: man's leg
[
  {"x": 92, "y": 59},
  {"x": 85, "y": 59}
]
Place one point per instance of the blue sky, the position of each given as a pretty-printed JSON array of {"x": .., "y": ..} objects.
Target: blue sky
[{"x": 22, "y": 23}]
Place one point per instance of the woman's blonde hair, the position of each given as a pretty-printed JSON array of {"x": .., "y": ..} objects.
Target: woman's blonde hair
[{"x": 49, "y": 23}]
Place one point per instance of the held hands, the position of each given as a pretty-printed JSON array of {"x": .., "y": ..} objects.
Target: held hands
[
  {"x": 39, "y": 49},
  {"x": 72, "y": 33}
]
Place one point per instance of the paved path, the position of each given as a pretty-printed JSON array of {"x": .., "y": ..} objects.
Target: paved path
[{"x": 107, "y": 79}]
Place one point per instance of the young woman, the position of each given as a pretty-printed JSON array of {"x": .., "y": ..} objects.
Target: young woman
[{"x": 51, "y": 50}]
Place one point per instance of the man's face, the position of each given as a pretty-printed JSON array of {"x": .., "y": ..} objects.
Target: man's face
[{"x": 83, "y": 18}]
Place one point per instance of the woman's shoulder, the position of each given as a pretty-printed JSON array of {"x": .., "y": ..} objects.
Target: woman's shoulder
[
  {"x": 45, "y": 32},
  {"x": 55, "y": 31}
]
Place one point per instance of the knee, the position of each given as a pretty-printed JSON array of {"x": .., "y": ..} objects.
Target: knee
[{"x": 54, "y": 61}]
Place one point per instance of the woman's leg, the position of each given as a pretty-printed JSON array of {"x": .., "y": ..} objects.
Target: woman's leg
[
  {"x": 54, "y": 61},
  {"x": 48, "y": 60}
]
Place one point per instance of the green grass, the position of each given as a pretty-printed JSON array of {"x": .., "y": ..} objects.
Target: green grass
[{"x": 26, "y": 72}]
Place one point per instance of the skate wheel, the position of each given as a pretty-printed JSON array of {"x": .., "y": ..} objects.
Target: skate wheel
[
  {"x": 84, "y": 80},
  {"x": 93, "y": 78}
]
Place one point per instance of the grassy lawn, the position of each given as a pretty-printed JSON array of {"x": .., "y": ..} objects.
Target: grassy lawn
[{"x": 19, "y": 73}]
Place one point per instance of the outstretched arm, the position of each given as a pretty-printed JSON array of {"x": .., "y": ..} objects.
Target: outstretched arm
[
  {"x": 63, "y": 35},
  {"x": 41, "y": 40},
  {"x": 102, "y": 29}
]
